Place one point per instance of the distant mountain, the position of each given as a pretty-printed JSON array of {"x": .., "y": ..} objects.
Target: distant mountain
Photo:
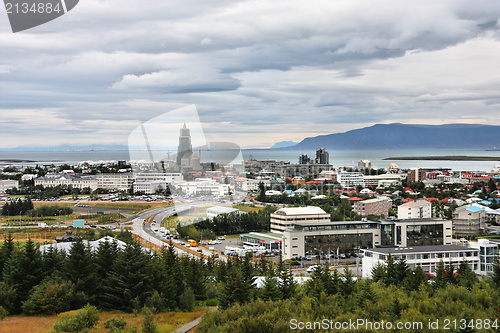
[
  {"x": 283, "y": 144},
  {"x": 388, "y": 136}
]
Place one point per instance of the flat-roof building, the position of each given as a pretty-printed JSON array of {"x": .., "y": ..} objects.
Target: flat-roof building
[
  {"x": 427, "y": 257},
  {"x": 350, "y": 236},
  {"x": 285, "y": 217}
]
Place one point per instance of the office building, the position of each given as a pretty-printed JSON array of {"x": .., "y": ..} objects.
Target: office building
[
  {"x": 285, "y": 217},
  {"x": 427, "y": 257},
  {"x": 305, "y": 237}
]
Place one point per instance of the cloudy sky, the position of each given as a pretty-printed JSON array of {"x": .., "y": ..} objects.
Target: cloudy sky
[{"x": 258, "y": 72}]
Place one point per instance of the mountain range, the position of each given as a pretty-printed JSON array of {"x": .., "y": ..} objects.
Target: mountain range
[{"x": 397, "y": 135}]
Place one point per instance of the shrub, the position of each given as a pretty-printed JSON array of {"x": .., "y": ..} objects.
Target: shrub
[
  {"x": 84, "y": 319},
  {"x": 115, "y": 325},
  {"x": 3, "y": 313},
  {"x": 186, "y": 300},
  {"x": 50, "y": 297},
  {"x": 148, "y": 323}
]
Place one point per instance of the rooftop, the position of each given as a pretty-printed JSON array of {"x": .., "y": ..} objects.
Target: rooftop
[
  {"x": 309, "y": 210},
  {"x": 419, "y": 249}
]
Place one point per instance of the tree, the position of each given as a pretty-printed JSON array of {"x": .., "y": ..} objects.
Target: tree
[
  {"x": 127, "y": 281},
  {"x": 271, "y": 290},
  {"x": 81, "y": 271},
  {"x": 53, "y": 295},
  {"x": 415, "y": 278},
  {"x": 441, "y": 278},
  {"x": 379, "y": 272},
  {"x": 23, "y": 271},
  {"x": 465, "y": 276}
]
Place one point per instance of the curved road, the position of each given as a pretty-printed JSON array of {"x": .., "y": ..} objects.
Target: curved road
[{"x": 145, "y": 232}]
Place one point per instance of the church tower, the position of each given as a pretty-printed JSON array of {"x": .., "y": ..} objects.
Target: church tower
[{"x": 184, "y": 144}]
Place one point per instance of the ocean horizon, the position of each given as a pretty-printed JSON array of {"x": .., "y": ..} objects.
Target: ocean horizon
[{"x": 338, "y": 158}]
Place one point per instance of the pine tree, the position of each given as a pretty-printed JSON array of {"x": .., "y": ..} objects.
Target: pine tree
[
  {"x": 379, "y": 273},
  {"x": 347, "y": 285},
  {"x": 402, "y": 271},
  {"x": 105, "y": 257},
  {"x": 415, "y": 278},
  {"x": 6, "y": 250},
  {"x": 391, "y": 271},
  {"x": 23, "y": 271},
  {"x": 127, "y": 281},
  {"x": 271, "y": 290},
  {"x": 465, "y": 276},
  {"x": 441, "y": 278},
  {"x": 81, "y": 271},
  {"x": 53, "y": 261}
]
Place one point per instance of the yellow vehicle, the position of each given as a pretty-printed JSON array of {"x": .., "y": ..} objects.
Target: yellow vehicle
[{"x": 191, "y": 242}]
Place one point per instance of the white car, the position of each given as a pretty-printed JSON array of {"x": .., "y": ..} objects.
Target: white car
[{"x": 312, "y": 268}]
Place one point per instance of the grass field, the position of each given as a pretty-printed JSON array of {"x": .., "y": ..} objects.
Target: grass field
[
  {"x": 248, "y": 208},
  {"x": 167, "y": 322}
]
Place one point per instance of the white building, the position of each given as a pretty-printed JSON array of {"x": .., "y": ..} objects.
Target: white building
[
  {"x": 204, "y": 186},
  {"x": 115, "y": 181},
  {"x": 488, "y": 251},
  {"x": 428, "y": 257},
  {"x": 384, "y": 180},
  {"x": 350, "y": 178},
  {"x": 285, "y": 217},
  {"x": 80, "y": 182},
  {"x": 150, "y": 182},
  {"x": 8, "y": 184},
  {"x": 217, "y": 210},
  {"x": 415, "y": 209}
]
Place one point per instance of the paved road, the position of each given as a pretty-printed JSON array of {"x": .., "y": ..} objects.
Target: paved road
[{"x": 146, "y": 233}]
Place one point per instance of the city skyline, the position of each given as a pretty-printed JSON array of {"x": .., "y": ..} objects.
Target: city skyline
[{"x": 258, "y": 72}]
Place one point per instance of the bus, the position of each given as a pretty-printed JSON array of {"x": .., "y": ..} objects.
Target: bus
[{"x": 191, "y": 242}]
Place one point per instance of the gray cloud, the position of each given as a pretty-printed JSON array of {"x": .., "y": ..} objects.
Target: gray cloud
[{"x": 283, "y": 67}]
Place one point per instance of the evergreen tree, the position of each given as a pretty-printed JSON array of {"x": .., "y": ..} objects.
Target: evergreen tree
[
  {"x": 81, "y": 271},
  {"x": 127, "y": 282},
  {"x": 379, "y": 272},
  {"x": 415, "y": 278},
  {"x": 465, "y": 276},
  {"x": 450, "y": 273},
  {"x": 270, "y": 289},
  {"x": 441, "y": 278},
  {"x": 348, "y": 283},
  {"x": 23, "y": 271},
  {"x": 53, "y": 261},
  {"x": 402, "y": 271},
  {"x": 6, "y": 251},
  {"x": 105, "y": 257},
  {"x": 391, "y": 271}
]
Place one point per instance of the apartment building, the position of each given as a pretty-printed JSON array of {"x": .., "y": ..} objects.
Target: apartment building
[
  {"x": 469, "y": 220},
  {"x": 377, "y": 206},
  {"x": 415, "y": 209}
]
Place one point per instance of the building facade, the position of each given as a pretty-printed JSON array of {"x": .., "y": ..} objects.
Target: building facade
[
  {"x": 285, "y": 217},
  {"x": 350, "y": 236},
  {"x": 377, "y": 206},
  {"x": 427, "y": 257},
  {"x": 415, "y": 209},
  {"x": 115, "y": 181},
  {"x": 469, "y": 220}
]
